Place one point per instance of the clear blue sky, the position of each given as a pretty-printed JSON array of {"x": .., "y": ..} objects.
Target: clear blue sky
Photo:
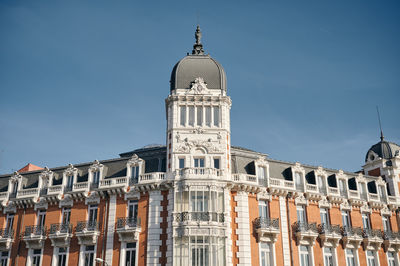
[{"x": 86, "y": 80}]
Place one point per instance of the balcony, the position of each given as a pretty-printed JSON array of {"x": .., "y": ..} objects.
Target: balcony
[
  {"x": 55, "y": 190},
  {"x": 67, "y": 189},
  {"x": 60, "y": 235},
  {"x": 12, "y": 195},
  {"x": 280, "y": 187},
  {"x": 128, "y": 229},
  {"x": 392, "y": 202},
  {"x": 80, "y": 187},
  {"x": 117, "y": 183},
  {"x": 200, "y": 173},
  {"x": 305, "y": 233},
  {"x": 244, "y": 178},
  {"x": 354, "y": 198},
  {"x": 87, "y": 232},
  {"x": 329, "y": 235},
  {"x": 151, "y": 177},
  {"x": 334, "y": 195},
  {"x": 391, "y": 241},
  {"x": 28, "y": 193},
  {"x": 4, "y": 196},
  {"x": 267, "y": 229},
  {"x": 375, "y": 202},
  {"x": 185, "y": 217},
  {"x": 6, "y": 239},
  {"x": 34, "y": 236},
  {"x": 372, "y": 238},
  {"x": 312, "y": 192},
  {"x": 351, "y": 236}
]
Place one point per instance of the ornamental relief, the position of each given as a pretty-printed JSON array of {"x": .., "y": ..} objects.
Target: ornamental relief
[
  {"x": 188, "y": 145},
  {"x": 199, "y": 86}
]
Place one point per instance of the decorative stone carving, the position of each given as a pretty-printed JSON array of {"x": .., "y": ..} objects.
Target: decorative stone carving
[
  {"x": 96, "y": 166},
  {"x": 324, "y": 203},
  {"x": 385, "y": 211},
  {"x": 198, "y": 130},
  {"x": 92, "y": 198},
  {"x": 41, "y": 204},
  {"x": 345, "y": 206},
  {"x": 365, "y": 208},
  {"x": 65, "y": 201},
  {"x": 71, "y": 170},
  {"x": 264, "y": 195},
  {"x": 188, "y": 145},
  {"x": 301, "y": 200},
  {"x": 198, "y": 87},
  {"x": 10, "y": 208}
]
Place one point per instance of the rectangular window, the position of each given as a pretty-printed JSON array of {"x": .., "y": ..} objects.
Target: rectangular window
[
  {"x": 89, "y": 255},
  {"x": 350, "y": 257},
  {"x": 301, "y": 214},
  {"x": 261, "y": 172},
  {"x": 329, "y": 257},
  {"x": 324, "y": 212},
  {"x": 62, "y": 256},
  {"x": 199, "y": 116},
  {"x": 132, "y": 209},
  {"x": 208, "y": 116},
  {"x": 10, "y": 221},
  {"x": 263, "y": 209},
  {"x": 346, "y": 219},
  {"x": 15, "y": 187},
  {"x": 199, "y": 201},
  {"x": 130, "y": 258},
  {"x": 392, "y": 259},
  {"x": 198, "y": 162},
  {"x": 41, "y": 217},
  {"x": 181, "y": 163},
  {"x": 342, "y": 188},
  {"x": 66, "y": 215},
  {"x": 183, "y": 115},
  {"x": 305, "y": 256},
  {"x": 96, "y": 177},
  {"x": 371, "y": 258},
  {"x": 365, "y": 221},
  {"x": 298, "y": 180},
  {"x": 4, "y": 258},
  {"x": 321, "y": 184},
  {"x": 216, "y": 116},
  {"x": 135, "y": 171},
  {"x": 93, "y": 213},
  {"x": 36, "y": 255},
  {"x": 216, "y": 163},
  {"x": 266, "y": 254},
  {"x": 70, "y": 181},
  {"x": 386, "y": 224},
  {"x": 191, "y": 116}
]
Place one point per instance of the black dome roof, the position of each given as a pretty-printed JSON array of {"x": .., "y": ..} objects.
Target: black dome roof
[{"x": 384, "y": 149}]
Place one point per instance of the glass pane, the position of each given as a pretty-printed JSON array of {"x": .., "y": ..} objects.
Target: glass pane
[
  {"x": 199, "y": 116},
  {"x": 191, "y": 116},
  {"x": 183, "y": 115},
  {"x": 208, "y": 116},
  {"x": 216, "y": 116}
]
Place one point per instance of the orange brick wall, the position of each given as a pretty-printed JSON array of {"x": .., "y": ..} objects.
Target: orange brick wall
[
  {"x": 375, "y": 172},
  {"x": 78, "y": 213},
  {"x": 253, "y": 214},
  {"x": 143, "y": 210}
]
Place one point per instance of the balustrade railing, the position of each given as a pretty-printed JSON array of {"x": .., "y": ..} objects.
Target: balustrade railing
[
  {"x": 43, "y": 191},
  {"x": 281, "y": 183},
  {"x": 312, "y": 188},
  {"x": 87, "y": 226},
  {"x": 81, "y": 186},
  {"x": 328, "y": 229},
  {"x": 6, "y": 233},
  {"x": 267, "y": 223},
  {"x": 55, "y": 189},
  {"x": 373, "y": 197},
  {"x": 152, "y": 177},
  {"x": 353, "y": 194},
  {"x": 27, "y": 192},
  {"x": 333, "y": 190},
  {"x": 61, "y": 228},
  {"x": 200, "y": 217},
  {"x": 124, "y": 222},
  {"x": 67, "y": 189},
  {"x": 35, "y": 230},
  {"x": 367, "y": 233}
]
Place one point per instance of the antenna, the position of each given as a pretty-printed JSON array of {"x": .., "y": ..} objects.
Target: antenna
[
  {"x": 380, "y": 125},
  {"x": 198, "y": 17}
]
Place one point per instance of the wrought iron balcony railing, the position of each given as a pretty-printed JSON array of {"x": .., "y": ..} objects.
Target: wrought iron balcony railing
[
  {"x": 329, "y": 229},
  {"x": 127, "y": 221},
  {"x": 62, "y": 228},
  {"x": 35, "y": 230},
  {"x": 305, "y": 227},
  {"x": 351, "y": 231},
  {"x": 133, "y": 181},
  {"x": 94, "y": 185},
  {"x": 43, "y": 191},
  {"x": 265, "y": 222},
  {"x": 7, "y": 233},
  {"x": 67, "y": 189},
  {"x": 200, "y": 217},
  {"x": 367, "y": 232},
  {"x": 12, "y": 195},
  {"x": 390, "y": 235},
  {"x": 87, "y": 225}
]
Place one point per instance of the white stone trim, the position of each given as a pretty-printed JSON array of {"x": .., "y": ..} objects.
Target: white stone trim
[
  {"x": 111, "y": 228},
  {"x": 243, "y": 230},
  {"x": 284, "y": 231},
  {"x": 154, "y": 229}
]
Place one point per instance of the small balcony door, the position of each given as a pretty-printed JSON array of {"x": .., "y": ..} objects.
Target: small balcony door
[
  {"x": 66, "y": 215},
  {"x": 263, "y": 209},
  {"x": 93, "y": 213},
  {"x": 324, "y": 212},
  {"x": 41, "y": 217},
  {"x": 132, "y": 209}
]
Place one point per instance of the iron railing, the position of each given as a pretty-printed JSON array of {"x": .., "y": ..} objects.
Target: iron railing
[
  {"x": 351, "y": 231},
  {"x": 328, "y": 229},
  {"x": 7, "y": 233},
  {"x": 67, "y": 189},
  {"x": 35, "y": 230},
  {"x": 62, "y": 228},
  {"x": 265, "y": 222},
  {"x": 87, "y": 225},
  {"x": 305, "y": 227},
  {"x": 367, "y": 232},
  {"x": 12, "y": 195},
  {"x": 94, "y": 185},
  {"x": 389, "y": 235},
  {"x": 43, "y": 191},
  {"x": 133, "y": 181},
  {"x": 127, "y": 221},
  {"x": 200, "y": 217}
]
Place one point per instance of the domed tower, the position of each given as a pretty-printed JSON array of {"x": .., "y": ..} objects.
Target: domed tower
[
  {"x": 383, "y": 159},
  {"x": 198, "y": 159}
]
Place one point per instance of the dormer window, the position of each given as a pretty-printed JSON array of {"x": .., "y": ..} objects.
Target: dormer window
[
  {"x": 70, "y": 181},
  {"x": 261, "y": 172},
  {"x": 96, "y": 177},
  {"x": 135, "y": 172}
]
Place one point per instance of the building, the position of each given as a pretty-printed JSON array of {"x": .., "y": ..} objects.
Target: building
[{"x": 198, "y": 200}]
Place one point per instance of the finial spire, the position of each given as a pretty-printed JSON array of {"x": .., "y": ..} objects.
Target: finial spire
[
  {"x": 198, "y": 47},
  {"x": 380, "y": 125}
]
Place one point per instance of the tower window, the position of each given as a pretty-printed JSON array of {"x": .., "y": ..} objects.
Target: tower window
[
  {"x": 183, "y": 115},
  {"x": 181, "y": 163},
  {"x": 198, "y": 162},
  {"x": 216, "y": 116},
  {"x": 208, "y": 116},
  {"x": 191, "y": 116},
  {"x": 199, "y": 116},
  {"x": 216, "y": 163}
]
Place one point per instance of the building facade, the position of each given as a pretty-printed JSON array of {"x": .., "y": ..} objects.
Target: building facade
[{"x": 198, "y": 200}]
